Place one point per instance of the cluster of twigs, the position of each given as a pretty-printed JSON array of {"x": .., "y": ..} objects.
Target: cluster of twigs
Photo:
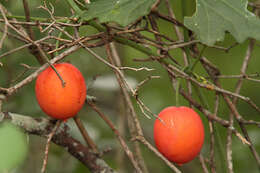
[{"x": 21, "y": 28}]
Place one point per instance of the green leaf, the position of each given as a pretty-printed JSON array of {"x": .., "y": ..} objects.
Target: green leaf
[
  {"x": 213, "y": 17},
  {"x": 13, "y": 147},
  {"x": 123, "y": 12}
]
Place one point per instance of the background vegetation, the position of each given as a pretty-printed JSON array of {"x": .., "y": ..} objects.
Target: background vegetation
[{"x": 141, "y": 36}]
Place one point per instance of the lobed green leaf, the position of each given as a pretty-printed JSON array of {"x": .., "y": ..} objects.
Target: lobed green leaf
[{"x": 214, "y": 17}]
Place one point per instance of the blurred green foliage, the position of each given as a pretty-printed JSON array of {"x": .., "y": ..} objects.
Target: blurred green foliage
[
  {"x": 156, "y": 94},
  {"x": 13, "y": 147}
]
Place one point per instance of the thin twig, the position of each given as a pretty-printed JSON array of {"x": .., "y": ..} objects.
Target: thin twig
[
  {"x": 119, "y": 137},
  {"x": 181, "y": 39},
  {"x": 5, "y": 27},
  {"x": 46, "y": 153},
  {"x": 207, "y": 86},
  {"x": 202, "y": 162},
  {"x": 135, "y": 69},
  {"x": 41, "y": 52},
  {"x": 143, "y": 82},
  {"x": 85, "y": 134},
  {"x": 11, "y": 90},
  {"x": 212, "y": 137},
  {"x": 138, "y": 129},
  {"x": 27, "y": 16},
  {"x": 23, "y": 46},
  {"x": 157, "y": 153},
  {"x": 237, "y": 90}
]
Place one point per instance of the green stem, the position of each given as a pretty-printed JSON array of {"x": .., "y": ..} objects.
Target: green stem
[
  {"x": 124, "y": 41},
  {"x": 192, "y": 66},
  {"x": 58, "y": 41},
  {"x": 39, "y": 19},
  {"x": 177, "y": 92},
  {"x": 75, "y": 7}
]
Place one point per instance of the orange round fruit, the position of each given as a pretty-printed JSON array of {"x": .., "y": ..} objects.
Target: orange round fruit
[
  {"x": 56, "y": 100},
  {"x": 179, "y": 134}
]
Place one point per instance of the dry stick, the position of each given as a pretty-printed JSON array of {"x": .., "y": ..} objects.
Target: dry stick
[
  {"x": 182, "y": 45},
  {"x": 23, "y": 46},
  {"x": 250, "y": 122},
  {"x": 113, "y": 67},
  {"x": 207, "y": 113},
  {"x": 38, "y": 23},
  {"x": 181, "y": 38},
  {"x": 30, "y": 44},
  {"x": 142, "y": 106},
  {"x": 143, "y": 82},
  {"x": 5, "y": 27},
  {"x": 79, "y": 123},
  {"x": 207, "y": 86},
  {"x": 2, "y": 98},
  {"x": 140, "y": 136},
  {"x": 229, "y": 144},
  {"x": 214, "y": 87},
  {"x": 212, "y": 136},
  {"x": 244, "y": 131},
  {"x": 32, "y": 48},
  {"x": 203, "y": 164},
  {"x": 137, "y": 130},
  {"x": 46, "y": 153},
  {"x": 19, "y": 76},
  {"x": 85, "y": 134},
  {"x": 168, "y": 19},
  {"x": 100, "y": 59},
  {"x": 231, "y": 119},
  {"x": 244, "y": 68},
  {"x": 120, "y": 138},
  {"x": 14, "y": 36},
  {"x": 108, "y": 64},
  {"x": 140, "y": 103},
  {"x": 237, "y": 90},
  {"x": 122, "y": 128},
  {"x": 223, "y": 48},
  {"x": 157, "y": 153},
  {"x": 122, "y": 119},
  {"x": 83, "y": 40},
  {"x": 214, "y": 71},
  {"x": 13, "y": 89},
  {"x": 245, "y": 76},
  {"x": 237, "y": 116},
  {"x": 41, "y": 52},
  {"x": 27, "y": 17}
]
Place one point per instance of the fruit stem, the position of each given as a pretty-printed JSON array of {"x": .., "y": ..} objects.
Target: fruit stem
[
  {"x": 51, "y": 65},
  {"x": 63, "y": 83},
  {"x": 85, "y": 134}
]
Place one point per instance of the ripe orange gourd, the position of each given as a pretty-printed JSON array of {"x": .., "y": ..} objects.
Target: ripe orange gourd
[
  {"x": 179, "y": 134},
  {"x": 56, "y": 100}
]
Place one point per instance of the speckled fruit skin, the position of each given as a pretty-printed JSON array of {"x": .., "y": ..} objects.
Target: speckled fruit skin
[
  {"x": 55, "y": 100},
  {"x": 180, "y": 134}
]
